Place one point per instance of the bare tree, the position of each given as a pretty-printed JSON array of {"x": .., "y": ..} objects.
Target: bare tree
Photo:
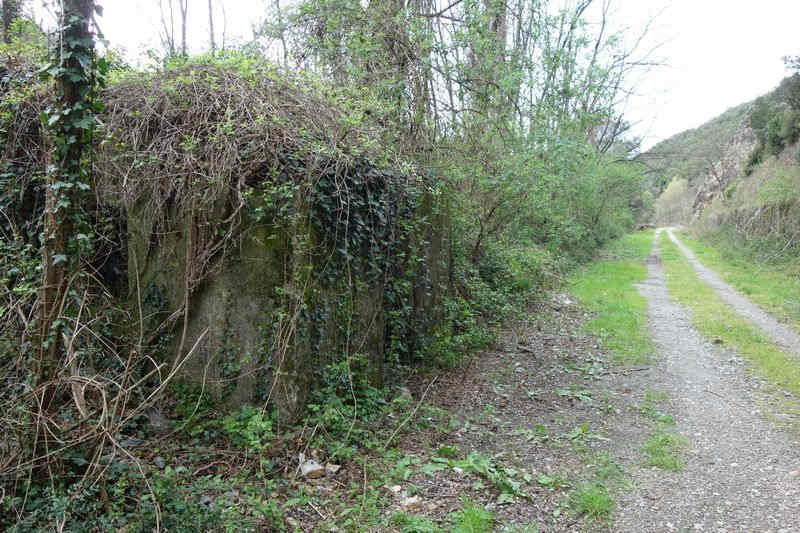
[
  {"x": 167, "y": 27},
  {"x": 184, "y": 5},
  {"x": 211, "y": 26},
  {"x": 168, "y": 39}
]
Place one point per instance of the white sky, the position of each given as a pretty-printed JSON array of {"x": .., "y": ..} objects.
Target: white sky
[{"x": 717, "y": 53}]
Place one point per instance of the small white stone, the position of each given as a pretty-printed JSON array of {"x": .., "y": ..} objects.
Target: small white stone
[{"x": 312, "y": 469}]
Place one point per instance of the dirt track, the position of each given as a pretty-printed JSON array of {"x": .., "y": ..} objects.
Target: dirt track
[
  {"x": 741, "y": 473},
  {"x": 781, "y": 334}
]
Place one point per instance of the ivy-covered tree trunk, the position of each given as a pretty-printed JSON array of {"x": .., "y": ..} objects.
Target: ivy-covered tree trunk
[
  {"x": 70, "y": 120},
  {"x": 11, "y": 10}
]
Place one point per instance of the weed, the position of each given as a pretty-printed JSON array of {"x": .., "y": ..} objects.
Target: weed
[
  {"x": 554, "y": 482},
  {"x": 581, "y": 434},
  {"x": 649, "y": 408},
  {"x": 716, "y": 320},
  {"x": 249, "y": 428},
  {"x": 583, "y": 395},
  {"x": 472, "y": 518},
  {"x": 662, "y": 451},
  {"x": 593, "y": 500},
  {"x": 605, "y": 468},
  {"x": 539, "y": 433},
  {"x": 776, "y": 287},
  {"x": 411, "y": 523}
]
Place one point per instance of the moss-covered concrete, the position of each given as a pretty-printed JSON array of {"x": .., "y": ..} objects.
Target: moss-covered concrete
[{"x": 269, "y": 327}]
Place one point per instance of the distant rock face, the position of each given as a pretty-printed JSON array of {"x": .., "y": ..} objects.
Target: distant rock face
[{"x": 722, "y": 172}]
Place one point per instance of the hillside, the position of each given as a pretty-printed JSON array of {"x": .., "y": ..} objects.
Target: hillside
[
  {"x": 689, "y": 155},
  {"x": 736, "y": 178}
]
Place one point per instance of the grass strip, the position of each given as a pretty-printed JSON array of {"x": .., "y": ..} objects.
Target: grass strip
[
  {"x": 776, "y": 288},
  {"x": 714, "y": 319},
  {"x": 607, "y": 288}
]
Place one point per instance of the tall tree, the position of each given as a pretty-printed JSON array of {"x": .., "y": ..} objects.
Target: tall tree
[
  {"x": 167, "y": 27},
  {"x": 167, "y": 34},
  {"x": 70, "y": 119},
  {"x": 11, "y": 9},
  {"x": 211, "y": 26},
  {"x": 184, "y": 5}
]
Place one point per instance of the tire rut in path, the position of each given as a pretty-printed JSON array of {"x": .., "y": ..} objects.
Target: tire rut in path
[
  {"x": 781, "y": 334},
  {"x": 741, "y": 472}
]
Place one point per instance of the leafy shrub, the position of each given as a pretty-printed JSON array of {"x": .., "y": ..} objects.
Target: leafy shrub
[
  {"x": 249, "y": 428},
  {"x": 754, "y": 159}
]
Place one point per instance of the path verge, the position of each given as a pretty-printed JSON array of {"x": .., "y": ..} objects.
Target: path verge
[{"x": 781, "y": 334}]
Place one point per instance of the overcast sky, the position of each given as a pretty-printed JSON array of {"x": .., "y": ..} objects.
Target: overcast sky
[{"x": 717, "y": 53}]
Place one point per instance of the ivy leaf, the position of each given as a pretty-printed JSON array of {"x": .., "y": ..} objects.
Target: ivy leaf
[
  {"x": 85, "y": 123},
  {"x": 59, "y": 258},
  {"x": 53, "y": 119}
]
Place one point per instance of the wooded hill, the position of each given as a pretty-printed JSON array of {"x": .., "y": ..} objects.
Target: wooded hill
[{"x": 736, "y": 178}]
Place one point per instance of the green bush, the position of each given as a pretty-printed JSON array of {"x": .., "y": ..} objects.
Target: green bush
[
  {"x": 249, "y": 428},
  {"x": 754, "y": 159}
]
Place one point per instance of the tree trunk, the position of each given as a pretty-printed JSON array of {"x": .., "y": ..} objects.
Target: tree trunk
[
  {"x": 211, "y": 26},
  {"x": 184, "y": 5},
  {"x": 11, "y": 10},
  {"x": 168, "y": 39},
  {"x": 61, "y": 202}
]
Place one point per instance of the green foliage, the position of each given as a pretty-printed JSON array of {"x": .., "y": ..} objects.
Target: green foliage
[
  {"x": 409, "y": 523},
  {"x": 754, "y": 159},
  {"x": 249, "y": 428},
  {"x": 784, "y": 187},
  {"x": 717, "y": 320},
  {"x": 674, "y": 206},
  {"x": 607, "y": 287},
  {"x": 593, "y": 500},
  {"x": 460, "y": 335},
  {"x": 472, "y": 518},
  {"x": 686, "y": 156},
  {"x": 775, "y": 119},
  {"x": 455, "y": 193},
  {"x": 663, "y": 449}
]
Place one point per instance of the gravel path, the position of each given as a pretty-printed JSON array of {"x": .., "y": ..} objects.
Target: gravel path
[
  {"x": 741, "y": 472},
  {"x": 781, "y": 334}
]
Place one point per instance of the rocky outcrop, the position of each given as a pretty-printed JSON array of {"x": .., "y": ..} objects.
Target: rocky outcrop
[{"x": 720, "y": 173}]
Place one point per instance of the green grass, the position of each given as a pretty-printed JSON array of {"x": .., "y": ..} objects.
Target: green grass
[
  {"x": 776, "y": 288},
  {"x": 607, "y": 288},
  {"x": 649, "y": 408},
  {"x": 663, "y": 451},
  {"x": 472, "y": 518},
  {"x": 714, "y": 319},
  {"x": 592, "y": 500},
  {"x": 412, "y": 523}
]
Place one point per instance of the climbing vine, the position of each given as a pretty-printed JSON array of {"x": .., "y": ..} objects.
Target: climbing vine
[{"x": 70, "y": 121}]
